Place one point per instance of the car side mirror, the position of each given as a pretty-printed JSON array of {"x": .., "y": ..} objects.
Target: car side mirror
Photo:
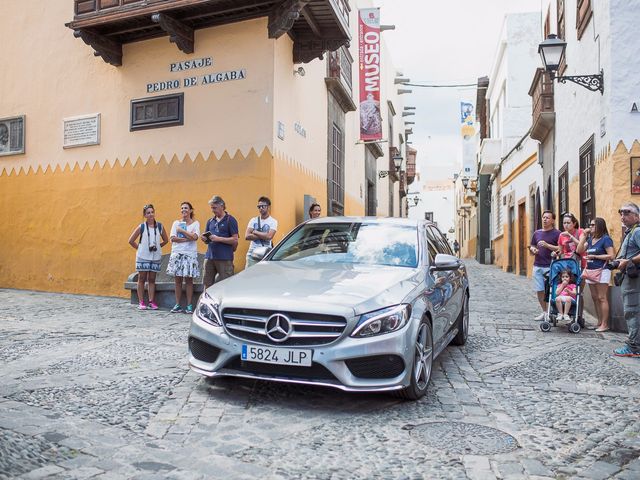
[
  {"x": 259, "y": 253},
  {"x": 444, "y": 262}
]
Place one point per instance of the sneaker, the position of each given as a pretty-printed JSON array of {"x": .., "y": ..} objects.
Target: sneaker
[
  {"x": 142, "y": 306},
  {"x": 625, "y": 352},
  {"x": 540, "y": 317},
  {"x": 176, "y": 308},
  {"x": 153, "y": 306},
  {"x": 189, "y": 309}
]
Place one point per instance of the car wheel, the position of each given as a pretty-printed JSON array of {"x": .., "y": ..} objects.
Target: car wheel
[
  {"x": 422, "y": 363},
  {"x": 462, "y": 323}
]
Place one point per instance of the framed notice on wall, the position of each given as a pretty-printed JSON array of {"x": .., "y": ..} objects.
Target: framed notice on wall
[
  {"x": 81, "y": 131},
  {"x": 12, "y": 135},
  {"x": 635, "y": 175}
]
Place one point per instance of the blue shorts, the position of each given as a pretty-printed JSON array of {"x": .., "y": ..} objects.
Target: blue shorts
[{"x": 538, "y": 278}]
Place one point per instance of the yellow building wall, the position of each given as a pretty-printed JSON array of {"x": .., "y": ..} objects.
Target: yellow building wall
[
  {"x": 67, "y": 230},
  {"x": 499, "y": 251},
  {"x": 612, "y": 186}
]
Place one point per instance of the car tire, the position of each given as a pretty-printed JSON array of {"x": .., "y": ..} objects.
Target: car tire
[
  {"x": 422, "y": 364},
  {"x": 462, "y": 323}
]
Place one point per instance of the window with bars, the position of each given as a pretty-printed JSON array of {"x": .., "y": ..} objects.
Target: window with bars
[
  {"x": 583, "y": 15},
  {"x": 563, "y": 190},
  {"x": 587, "y": 197},
  {"x": 157, "y": 112},
  {"x": 498, "y": 215},
  {"x": 336, "y": 172},
  {"x": 561, "y": 33}
]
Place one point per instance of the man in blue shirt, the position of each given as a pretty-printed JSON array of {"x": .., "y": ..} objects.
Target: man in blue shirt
[
  {"x": 221, "y": 236},
  {"x": 541, "y": 246}
]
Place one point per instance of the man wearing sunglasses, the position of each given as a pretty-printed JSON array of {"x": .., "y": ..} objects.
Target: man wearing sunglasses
[
  {"x": 629, "y": 259},
  {"x": 261, "y": 229}
]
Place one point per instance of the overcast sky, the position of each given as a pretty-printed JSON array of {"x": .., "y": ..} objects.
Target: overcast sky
[{"x": 443, "y": 42}]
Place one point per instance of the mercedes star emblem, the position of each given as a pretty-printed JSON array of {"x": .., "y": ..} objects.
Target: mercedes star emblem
[{"x": 278, "y": 327}]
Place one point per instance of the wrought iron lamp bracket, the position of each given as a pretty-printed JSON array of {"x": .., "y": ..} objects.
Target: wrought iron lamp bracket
[{"x": 595, "y": 83}]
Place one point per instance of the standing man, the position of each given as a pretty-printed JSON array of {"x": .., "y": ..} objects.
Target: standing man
[
  {"x": 629, "y": 259},
  {"x": 456, "y": 247},
  {"x": 221, "y": 236},
  {"x": 542, "y": 244},
  {"x": 261, "y": 229}
]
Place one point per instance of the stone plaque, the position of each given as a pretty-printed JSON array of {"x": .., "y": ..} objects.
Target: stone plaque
[{"x": 81, "y": 131}]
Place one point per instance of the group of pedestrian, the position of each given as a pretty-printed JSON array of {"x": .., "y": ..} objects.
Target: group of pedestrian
[
  {"x": 594, "y": 249},
  {"x": 220, "y": 236}
]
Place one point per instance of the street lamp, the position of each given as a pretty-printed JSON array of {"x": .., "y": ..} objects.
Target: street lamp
[
  {"x": 397, "y": 163},
  {"x": 552, "y": 52},
  {"x": 465, "y": 182}
]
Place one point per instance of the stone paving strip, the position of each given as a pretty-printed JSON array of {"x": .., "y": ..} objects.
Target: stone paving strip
[{"x": 92, "y": 388}]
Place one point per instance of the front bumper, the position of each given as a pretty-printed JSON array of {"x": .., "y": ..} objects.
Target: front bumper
[{"x": 329, "y": 361}]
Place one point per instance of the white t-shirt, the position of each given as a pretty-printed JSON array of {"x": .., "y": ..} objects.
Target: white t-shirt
[
  {"x": 262, "y": 225},
  {"x": 150, "y": 236},
  {"x": 185, "y": 247}
]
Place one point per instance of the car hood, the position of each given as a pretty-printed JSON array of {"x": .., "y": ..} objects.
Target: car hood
[{"x": 331, "y": 288}]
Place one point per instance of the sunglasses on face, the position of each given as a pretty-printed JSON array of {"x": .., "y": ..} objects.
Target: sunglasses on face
[
  {"x": 263, "y": 206},
  {"x": 622, "y": 211}
]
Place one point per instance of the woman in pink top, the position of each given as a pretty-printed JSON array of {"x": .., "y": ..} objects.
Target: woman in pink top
[
  {"x": 569, "y": 239},
  {"x": 565, "y": 295}
]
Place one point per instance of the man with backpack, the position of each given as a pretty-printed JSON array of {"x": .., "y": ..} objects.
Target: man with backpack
[
  {"x": 221, "y": 236},
  {"x": 261, "y": 229}
]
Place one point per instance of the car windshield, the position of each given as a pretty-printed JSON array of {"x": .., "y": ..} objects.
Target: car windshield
[{"x": 358, "y": 243}]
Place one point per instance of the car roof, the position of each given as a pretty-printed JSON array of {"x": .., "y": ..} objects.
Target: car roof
[{"x": 374, "y": 220}]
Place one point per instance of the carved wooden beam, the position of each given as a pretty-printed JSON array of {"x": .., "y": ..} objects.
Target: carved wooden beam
[
  {"x": 179, "y": 33},
  {"x": 109, "y": 50},
  {"x": 311, "y": 21},
  {"x": 306, "y": 50},
  {"x": 282, "y": 17}
]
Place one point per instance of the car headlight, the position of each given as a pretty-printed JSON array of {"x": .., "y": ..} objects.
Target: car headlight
[
  {"x": 207, "y": 310},
  {"x": 382, "y": 321}
]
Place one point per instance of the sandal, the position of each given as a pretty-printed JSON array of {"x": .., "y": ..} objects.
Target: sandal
[{"x": 601, "y": 329}]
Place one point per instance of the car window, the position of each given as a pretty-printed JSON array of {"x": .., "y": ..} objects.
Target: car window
[
  {"x": 443, "y": 245},
  {"x": 358, "y": 243}
]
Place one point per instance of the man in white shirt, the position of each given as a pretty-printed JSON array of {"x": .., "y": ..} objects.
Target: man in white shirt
[{"x": 261, "y": 229}]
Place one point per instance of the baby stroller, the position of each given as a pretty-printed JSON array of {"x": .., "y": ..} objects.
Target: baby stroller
[{"x": 553, "y": 280}]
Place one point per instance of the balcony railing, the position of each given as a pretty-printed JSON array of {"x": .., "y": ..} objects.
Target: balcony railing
[
  {"x": 339, "y": 78},
  {"x": 315, "y": 27},
  {"x": 543, "y": 114}
]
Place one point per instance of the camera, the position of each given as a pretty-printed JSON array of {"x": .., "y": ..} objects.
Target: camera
[
  {"x": 618, "y": 278},
  {"x": 612, "y": 265},
  {"x": 153, "y": 248}
]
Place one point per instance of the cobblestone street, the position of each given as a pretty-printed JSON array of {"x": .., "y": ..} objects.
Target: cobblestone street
[{"x": 90, "y": 387}]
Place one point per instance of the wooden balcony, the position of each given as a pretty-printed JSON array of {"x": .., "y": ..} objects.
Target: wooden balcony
[
  {"x": 411, "y": 164},
  {"x": 316, "y": 26},
  {"x": 339, "y": 78},
  {"x": 544, "y": 115}
]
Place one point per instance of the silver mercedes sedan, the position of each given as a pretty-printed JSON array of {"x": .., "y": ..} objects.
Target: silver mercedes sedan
[{"x": 357, "y": 303}]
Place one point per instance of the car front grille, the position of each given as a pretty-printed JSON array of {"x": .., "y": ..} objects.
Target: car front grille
[
  {"x": 203, "y": 351},
  {"x": 378, "y": 366},
  {"x": 307, "y": 329},
  {"x": 314, "y": 372}
]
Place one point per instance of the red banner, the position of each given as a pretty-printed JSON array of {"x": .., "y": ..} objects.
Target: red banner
[{"x": 369, "y": 68}]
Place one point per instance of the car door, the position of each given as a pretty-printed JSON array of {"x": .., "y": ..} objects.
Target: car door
[
  {"x": 438, "y": 292},
  {"x": 455, "y": 278}
]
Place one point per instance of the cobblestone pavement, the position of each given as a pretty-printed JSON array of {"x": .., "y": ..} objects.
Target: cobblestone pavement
[{"x": 92, "y": 388}]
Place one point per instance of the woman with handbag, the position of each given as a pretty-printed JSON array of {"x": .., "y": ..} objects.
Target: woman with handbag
[{"x": 596, "y": 243}]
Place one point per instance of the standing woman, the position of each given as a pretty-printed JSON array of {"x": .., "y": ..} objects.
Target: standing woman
[
  {"x": 597, "y": 246},
  {"x": 183, "y": 263},
  {"x": 570, "y": 238},
  {"x": 151, "y": 237}
]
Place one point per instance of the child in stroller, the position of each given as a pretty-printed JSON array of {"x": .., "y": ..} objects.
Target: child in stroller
[{"x": 565, "y": 295}]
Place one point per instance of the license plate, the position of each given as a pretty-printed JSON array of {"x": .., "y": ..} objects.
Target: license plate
[{"x": 278, "y": 356}]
